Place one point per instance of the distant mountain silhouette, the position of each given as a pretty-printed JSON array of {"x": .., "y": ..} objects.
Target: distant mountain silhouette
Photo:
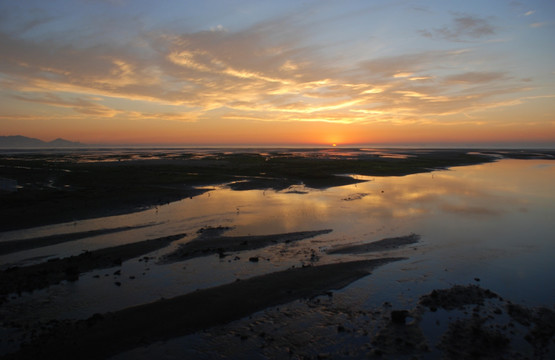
[{"x": 18, "y": 141}]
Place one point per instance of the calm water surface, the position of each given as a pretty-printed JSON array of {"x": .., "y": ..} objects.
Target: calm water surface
[{"x": 495, "y": 222}]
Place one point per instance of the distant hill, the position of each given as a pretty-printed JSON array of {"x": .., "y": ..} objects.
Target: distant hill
[{"x": 18, "y": 141}]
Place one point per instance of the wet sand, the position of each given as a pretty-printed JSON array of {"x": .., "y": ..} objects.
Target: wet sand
[
  {"x": 210, "y": 242},
  {"x": 482, "y": 325},
  {"x": 469, "y": 322},
  {"x": 33, "y": 277},
  {"x": 479, "y": 330},
  {"x": 381, "y": 245},
  {"x": 7, "y": 247},
  {"x": 109, "y": 334},
  {"x": 58, "y": 188},
  {"x": 62, "y": 187}
]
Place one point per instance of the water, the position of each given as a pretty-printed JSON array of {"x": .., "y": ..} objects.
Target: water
[{"x": 494, "y": 222}]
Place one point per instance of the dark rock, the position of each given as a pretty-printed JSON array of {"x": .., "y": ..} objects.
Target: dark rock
[
  {"x": 340, "y": 328},
  {"x": 399, "y": 316},
  {"x": 456, "y": 297},
  {"x": 72, "y": 273}
]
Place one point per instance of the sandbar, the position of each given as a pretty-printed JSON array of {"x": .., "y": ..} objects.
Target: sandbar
[
  {"x": 210, "y": 242},
  {"x": 7, "y": 247},
  {"x": 33, "y": 277},
  {"x": 381, "y": 245}
]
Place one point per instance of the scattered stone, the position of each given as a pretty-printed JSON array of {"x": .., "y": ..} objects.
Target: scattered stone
[
  {"x": 53, "y": 271},
  {"x": 212, "y": 242},
  {"x": 72, "y": 273},
  {"x": 400, "y": 340},
  {"x": 94, "y": 319},
  {"x": 470, "y": 339},
  {"x": 399, "y": 316},
  {"x": 356, "y": 196},
  {"x": 542, "y": 321},
  {"x": 253, "y": 259},
  {"x": 340, "y": 328},
  {"x": 456, "y": 297},
  {"x": 211, "y": 230}
]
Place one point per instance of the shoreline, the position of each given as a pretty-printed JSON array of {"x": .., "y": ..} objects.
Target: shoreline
[{"x": 58, "y": 188}]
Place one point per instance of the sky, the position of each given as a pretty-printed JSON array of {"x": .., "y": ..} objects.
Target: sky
[{"x": 253, "y": 72}]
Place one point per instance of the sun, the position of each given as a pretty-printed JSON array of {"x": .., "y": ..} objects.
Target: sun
[{"x": 334, "y": 145}]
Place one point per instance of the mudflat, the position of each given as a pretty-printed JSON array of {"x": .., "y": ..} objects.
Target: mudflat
[
  {"x": 33, "y": 277},
  {"x": 7, "y": 247},
  {"x": 380, "y": 245},
  {"x": 211, "y": 242},
  {"x": 56, "y": 188},
  {"x": 144, "y": 324}
]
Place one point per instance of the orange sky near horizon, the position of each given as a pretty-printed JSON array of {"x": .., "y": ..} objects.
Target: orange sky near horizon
[{"x": 279, "y": 73}]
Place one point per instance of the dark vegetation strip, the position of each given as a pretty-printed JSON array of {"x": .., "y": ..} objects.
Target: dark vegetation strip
[
  {"x": 7, "y": 247},
  {"x": 104, "y": 335},
  {"x": 33, "y": 277},
  {"x": 207, "y": 244},
  {"x": 381, "y": 245}
]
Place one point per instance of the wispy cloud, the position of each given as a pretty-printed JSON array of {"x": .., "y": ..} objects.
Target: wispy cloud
[
  {"x": 464, "y": 27},
  {"x": 77, "y": 104},
  {"x": 474, "y": 77},
  {"x": 538, "y": 24}
]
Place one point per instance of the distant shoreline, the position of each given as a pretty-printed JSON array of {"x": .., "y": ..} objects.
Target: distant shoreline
[{"x": 19, "y": 142}]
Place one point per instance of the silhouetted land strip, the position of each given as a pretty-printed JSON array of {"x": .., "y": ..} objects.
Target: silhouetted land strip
[
  {"x": 103, "y": 335},
  {"x": 7, "y": 247},
  {"x": 381, "y": 245},
  {"x": 59, "y": 188},
  {"x": 209, "y": 243},
  {"x": 33, "y": 277}
]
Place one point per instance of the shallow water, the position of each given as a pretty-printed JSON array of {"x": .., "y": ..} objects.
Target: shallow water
[{"x": 493, "y": 222}]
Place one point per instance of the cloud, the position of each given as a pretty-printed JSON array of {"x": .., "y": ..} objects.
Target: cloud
[
  {"x": 261, "y": 73},
  {"x": 474, "y": 77},
  {"x": 538, "y": 24},
  {"x": 79, "y": 105},
  {"x": 391, "y": 66},
  {"x": 464, "y": 27}
]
